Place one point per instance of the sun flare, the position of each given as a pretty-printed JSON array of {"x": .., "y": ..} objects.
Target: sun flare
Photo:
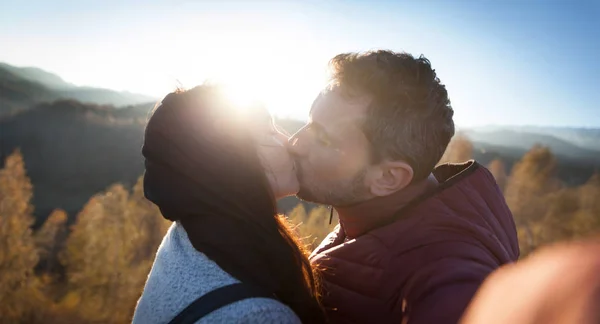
[
  {"x": 286, "y": 85},
  {"x": 291, "y": 96},
  {"x": 241, "y": 97},
  {"x": 257, "y": 63}
]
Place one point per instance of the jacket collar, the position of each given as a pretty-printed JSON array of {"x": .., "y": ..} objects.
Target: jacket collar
[{"x": 363, "y": 217}]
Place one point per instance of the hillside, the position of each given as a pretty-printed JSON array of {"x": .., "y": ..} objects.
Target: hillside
[
  {"x": 23, "y": 87},
  {"x": 74, "y": 150},
  {"x": 76, "y": 147},
  {"x": 38, "y": 75},
  {"x": 18, "y": 94},
  {"x": 559, "y": 138}
]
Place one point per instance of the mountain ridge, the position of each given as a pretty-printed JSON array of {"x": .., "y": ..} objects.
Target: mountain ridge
[
  {"x": 583, "y": 137},
  {"x": 525, "y": 140},
  {"x": 24, "y": 87}
]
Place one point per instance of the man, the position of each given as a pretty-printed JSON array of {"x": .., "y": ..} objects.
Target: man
[{"x": 414, "y": 242}]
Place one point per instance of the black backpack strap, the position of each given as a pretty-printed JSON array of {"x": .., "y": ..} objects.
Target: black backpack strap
[{"x": 216, "y": 299}]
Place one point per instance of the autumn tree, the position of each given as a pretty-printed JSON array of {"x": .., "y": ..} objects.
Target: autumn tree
[
  {"x": 460, "y": 149},
  {"x": 586, "y": 220},
  {"x": 313, "y": 226},
  {"x": 49, "y": 240},
  {"x": 558, "y": 222},
  {"x": 149, "y": 215},
  {"x": 498, "y": 170},
  {"x": 527, "y": 191},
  {"x": 19, "y": 293},
  {"x": 590, "y": 195},
  {"x": 110, "y": 252},
  {"x": 573, "y": 213}
]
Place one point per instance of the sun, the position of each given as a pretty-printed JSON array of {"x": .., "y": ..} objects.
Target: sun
[
  {"x": 278, "y": 62},
  {"x": 287, "y": 89},
  {"x": 242, "y": 97},
  {"x": 259, "y": 64},
  {"x": 289, "y": 96}
]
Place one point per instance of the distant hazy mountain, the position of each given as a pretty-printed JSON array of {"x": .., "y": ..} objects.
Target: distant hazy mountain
[
  {"x": 567, "y": 142},
  {"x": 38, "y": 75},
  {"x": 17, "y": 94},
  {"x": 584, "y": 137},
  {"x": 23, "y": 87},
  {"x": 105, "y": 96}
]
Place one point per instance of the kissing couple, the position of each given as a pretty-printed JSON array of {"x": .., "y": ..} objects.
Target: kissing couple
[{"x": 415, "y": 239}]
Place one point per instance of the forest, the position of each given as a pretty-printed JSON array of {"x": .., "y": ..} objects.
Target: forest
[{"x": 93, "y": 269}]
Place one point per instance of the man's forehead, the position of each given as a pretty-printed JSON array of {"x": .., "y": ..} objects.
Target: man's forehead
[{"x": 333, "y": 109}]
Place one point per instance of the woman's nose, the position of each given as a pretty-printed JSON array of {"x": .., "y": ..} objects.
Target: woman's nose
[{"x": 296, "y": 145}]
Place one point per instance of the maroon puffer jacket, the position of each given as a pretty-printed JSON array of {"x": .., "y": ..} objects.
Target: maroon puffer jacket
[{"x": 425, "y": 264}]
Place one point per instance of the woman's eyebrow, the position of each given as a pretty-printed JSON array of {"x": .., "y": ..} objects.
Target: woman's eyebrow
[{"x": 281, "y": 129}]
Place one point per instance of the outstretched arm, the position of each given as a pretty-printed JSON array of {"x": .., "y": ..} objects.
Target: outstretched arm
[{"x": 556, "y": 285}]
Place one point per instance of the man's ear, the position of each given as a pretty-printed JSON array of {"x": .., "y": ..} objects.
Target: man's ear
[{"x": 391, "y": 176}]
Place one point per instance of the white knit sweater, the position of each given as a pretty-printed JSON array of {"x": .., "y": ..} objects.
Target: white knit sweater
[{"x": 180, "y": 274}]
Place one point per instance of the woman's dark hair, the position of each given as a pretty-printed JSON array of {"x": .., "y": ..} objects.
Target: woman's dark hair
[{"x": 203, "y": 170}]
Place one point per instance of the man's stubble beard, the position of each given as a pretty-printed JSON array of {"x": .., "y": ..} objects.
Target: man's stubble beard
[{"x": 338, "y": 194}]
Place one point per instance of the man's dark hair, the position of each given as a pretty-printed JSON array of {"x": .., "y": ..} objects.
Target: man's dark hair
[{"x": 409, "y": 117}]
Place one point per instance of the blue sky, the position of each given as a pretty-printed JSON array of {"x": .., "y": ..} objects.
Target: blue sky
[{"x": 504, "y": 62}]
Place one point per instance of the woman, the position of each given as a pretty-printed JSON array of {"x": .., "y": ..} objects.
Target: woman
[{"x": 216, "y": 171}]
